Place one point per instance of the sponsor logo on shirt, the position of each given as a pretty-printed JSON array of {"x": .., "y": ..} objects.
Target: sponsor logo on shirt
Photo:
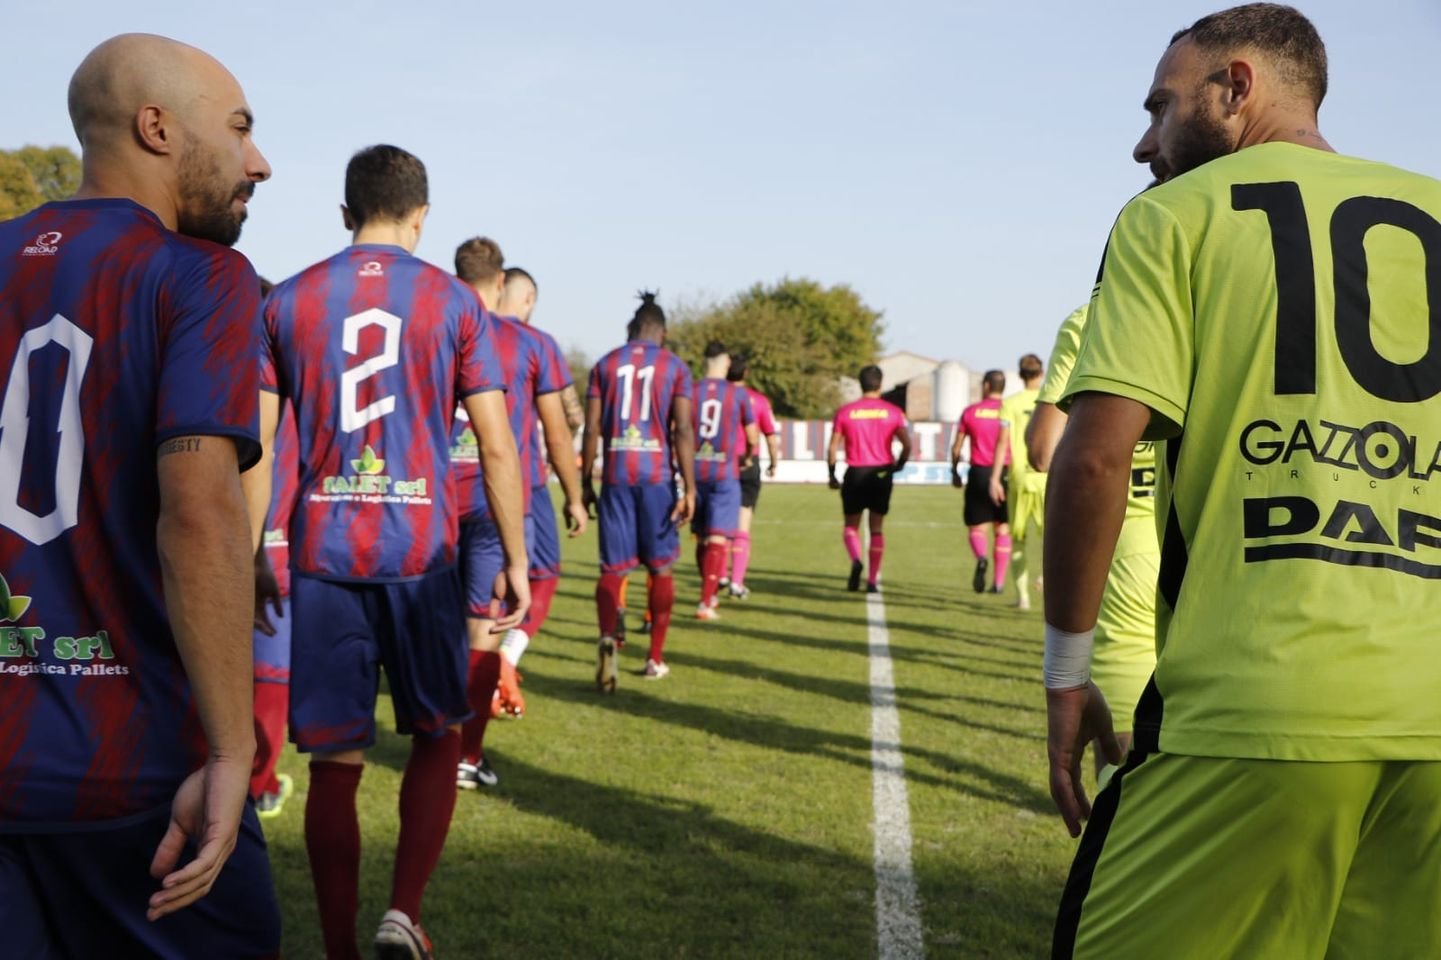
[
  {"x": 370, "y": 484},
  {"x": 869, "y": 413},
  {"x": 633, "y": 439},
  {"x": 466, "y": 448},
  {"x": 82, "y": 656},
  {"x": 708, "y": 452},
  {"x": 45, "y": 245},
  {"x": 372, "y": 268}
]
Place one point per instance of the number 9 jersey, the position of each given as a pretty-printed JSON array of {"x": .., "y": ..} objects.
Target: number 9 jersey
[
  {"x": 375, "y": 347},
  {"x": 1280, "y": 307}
]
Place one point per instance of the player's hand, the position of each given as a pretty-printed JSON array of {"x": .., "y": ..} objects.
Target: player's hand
[
  {"x": 267, "y": 595},
  {"x": 956, "y": 480},
  {"x": 834, "y": 483},
  {"x": 684, "y": 509},
  {"x": 587, "y": 499},
  {"x": 771, "y": 469},
  {"x": 1074, "y": 718},
  {"x": 206, "y": 810},
  {"x": 998, "y": 492},
  {"x": 516, "y": 596},
  {"x": 576, "y": 518}
]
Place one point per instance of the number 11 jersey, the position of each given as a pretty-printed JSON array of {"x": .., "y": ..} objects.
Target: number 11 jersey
[
  {"x": 1282, "y": 307},
  {"x": 637, "y": 385},
  {"x": 375, "y": 347}
]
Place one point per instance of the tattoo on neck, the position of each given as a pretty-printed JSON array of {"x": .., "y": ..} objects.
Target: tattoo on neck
[{"x": 180, "y": 445}]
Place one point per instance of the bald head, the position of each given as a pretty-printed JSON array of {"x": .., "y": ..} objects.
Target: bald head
[{"x": 168, "y": 126}]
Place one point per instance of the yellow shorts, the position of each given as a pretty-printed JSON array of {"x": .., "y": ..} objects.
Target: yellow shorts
[
  {"x": 1198, "y": 858},
  {"x": 1027, "y": 500},
  {"x": 1124, "y": 655}
]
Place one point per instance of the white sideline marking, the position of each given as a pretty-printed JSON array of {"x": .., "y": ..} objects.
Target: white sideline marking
[{"x": 898, "y": 909}]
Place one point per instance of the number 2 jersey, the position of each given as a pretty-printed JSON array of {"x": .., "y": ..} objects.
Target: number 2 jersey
[
  {"x": 637, "y": 386},
  {"x": 375, "y": 347},
  {"x": 1281, "y": 306},
  {"x": 721, "y": 413},
  {"x": 116, "y": 335}
]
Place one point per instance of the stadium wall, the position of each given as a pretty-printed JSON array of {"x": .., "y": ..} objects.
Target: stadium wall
[{"x": 803, "y": 452}]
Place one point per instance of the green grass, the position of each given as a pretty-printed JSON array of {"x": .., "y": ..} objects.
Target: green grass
[{"x": 725, "y": 811}]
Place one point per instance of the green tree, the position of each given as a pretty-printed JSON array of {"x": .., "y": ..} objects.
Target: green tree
[
  {"x": 33, "y": 175},
  {"x": 799, "y": 335},
  {"x": 579, "y": 364}
]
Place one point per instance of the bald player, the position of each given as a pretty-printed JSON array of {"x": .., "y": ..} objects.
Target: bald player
[{"x": 128, "y": 340}]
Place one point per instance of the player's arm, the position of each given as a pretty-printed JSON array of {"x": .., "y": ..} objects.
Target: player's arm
[
  {"x": 256, "y": 482},
  {"x": 956, "y": 455},
  {"x": 203, "y": 537},
  {"x": 560, "y": 450},
  {"x": 753, "y": 444},
  {"x": 903, "y": 434},
  {"x": 1003, "y": 443},
  {"x": 682, "y": 431},
  {"x": 500, "y": 463},
  {"x": 1048, "y": 422},
  {"x": 574, "y": 414},
  {"x": 1085, "y": 505},
  {"x": 773, "y": 447},
  {"x": 833, "y": 452},
  {"x": 589, "y": 449}
]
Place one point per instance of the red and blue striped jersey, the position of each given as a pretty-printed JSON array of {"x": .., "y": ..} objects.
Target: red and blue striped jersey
[
  {"x": 637, "y": 385},
  {"x": 722, "y": 412},
  {"x": 375, "y": 347},
  {"x": 285, "y": 485},
  {"x": 554, "y": 377},
  {"x": 116, "y": 335},
  {"x": 519, "y": 352}
]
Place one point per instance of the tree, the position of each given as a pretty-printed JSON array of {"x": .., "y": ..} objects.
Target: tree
[
  {"x": 579, "y": 365},
  {"x": 34, "y": 175},
  {"x": 799, "y": 336}
]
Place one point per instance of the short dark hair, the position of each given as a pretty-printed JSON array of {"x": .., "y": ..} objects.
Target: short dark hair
[
  {"x": 479, "y": 260},
  {"x": 740, "y": 365},
  {"x": 384, "y": 183},
  {"x": 714, "y": 349},
  {"x": 265, "y": 287},
  {"x": 520, "y": 273},
  {"x": 648, "y": 316},
  {"x": 994, "y": 379},
  {"x": 871, "y": 378},
  {"x": 1275, "y": 29},
  {"x": 1031, "y": 366}
]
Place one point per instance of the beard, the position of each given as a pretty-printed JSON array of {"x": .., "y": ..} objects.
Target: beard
[
  {"x": 207, "y": 200},
  {"x": 1202, "y": 139}
]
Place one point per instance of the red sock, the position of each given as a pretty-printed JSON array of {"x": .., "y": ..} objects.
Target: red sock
[
  {"x": 272, "y": 704},
  {"x": 852, "y": 537},
  {"x": 479, "y": 690},
  {"x": 1003, "y": 558},
  {"x": 877, "y": 551},
  {"x": 332, "y": 842},
  {"x": 662, "y": 599},
  {"x": 427, "y": 800},
  {"x": 700, "y": 547},
  {"x": 542, "y": 592},
  {"x": 711, "y": 565},
  {"x": 740, "y": 558},
  {"x": 607, "y": 602}
]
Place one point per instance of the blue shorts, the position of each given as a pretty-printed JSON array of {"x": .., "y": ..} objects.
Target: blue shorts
[
  {"x": 481, "y": 560},
  {"x": 272, "y": 654},
  {"x": 717, "y": 508},
  {"x": 84, "y": 894},
  {"x": 346, "y": 631},
  {"x": 635, "y": 527},
  {"x": 543, "y": 536}
]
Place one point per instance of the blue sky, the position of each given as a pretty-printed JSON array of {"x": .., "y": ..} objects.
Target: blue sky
[{"x": 959, "y": 163}]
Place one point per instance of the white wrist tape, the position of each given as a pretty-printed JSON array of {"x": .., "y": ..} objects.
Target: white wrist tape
[
  {"x": 513, "y": 645},
  {"x": 1068, "y": 658}
]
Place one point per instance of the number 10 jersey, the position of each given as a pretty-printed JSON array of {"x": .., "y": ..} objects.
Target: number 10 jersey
[
  {"x": 1282, "y": 307},
  {"x": 375, "y": 347}
]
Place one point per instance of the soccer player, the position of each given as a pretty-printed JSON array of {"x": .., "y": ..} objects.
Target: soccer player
[
  {"x": 638, "y": 404},
  {"x": 1024, "y": 490},
  {"x": 739, "y": 555},
  {"x": 723, "y": 415},
  {"x": 517, "y": 299},
  {"x": 868, "y": 429},
  {"x": 374, "y": 348},
  {"x": 1282, "y": 796},
  {"x": 981, "y": 422},
  {"x": 128, "y": 336}
]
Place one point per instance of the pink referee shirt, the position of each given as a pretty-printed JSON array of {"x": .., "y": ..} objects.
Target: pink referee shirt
[
  {"x": 982, "y": 423},
  {"x": 868, "y": 425},
  {"x": 765, "y": 420}
]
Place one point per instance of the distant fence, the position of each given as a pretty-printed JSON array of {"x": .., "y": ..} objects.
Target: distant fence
[{"x": 804, "y": 442}]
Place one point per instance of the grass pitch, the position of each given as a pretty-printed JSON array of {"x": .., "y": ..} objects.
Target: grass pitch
[{"x": 725, "y": 811}]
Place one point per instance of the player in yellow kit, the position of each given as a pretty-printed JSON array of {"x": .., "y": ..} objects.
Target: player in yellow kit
[
  {"x": 1024, "y": 489},
  {"x": 1268, "y": 311}
]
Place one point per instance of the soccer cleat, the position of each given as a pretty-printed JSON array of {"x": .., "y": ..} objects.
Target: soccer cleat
[
  {"x": 512, "y": 701},
  {"x": 399, "y": 939},
  {"x": 995, "y": 588},
  {"x": 607, "y": 670},
  {"x": 738, "y": 592},
  {"x": 873, "y": 588},
  {"x": 854, "y": 583},
  {"x": 468, "y": 776},
  {"x": 706, "y": 612},
  {"x": 655, "y": 670},
  {"x": 1023, "y": 604},
  {"x": 269, "y": 805},
  {"x": 645, "y": 627},
  {"x": 723, "y": 582},
  {"x": 978, "y": 581}
]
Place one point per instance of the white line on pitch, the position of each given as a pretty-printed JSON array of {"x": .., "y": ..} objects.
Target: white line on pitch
[{"x": 898, "y": 910}]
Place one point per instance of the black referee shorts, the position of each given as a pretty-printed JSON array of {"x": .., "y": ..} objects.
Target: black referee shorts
[
  {"x": 751, "y": 485},
  {"x": 980, "y": 508},
  {"x": 867, "y": 488}
]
